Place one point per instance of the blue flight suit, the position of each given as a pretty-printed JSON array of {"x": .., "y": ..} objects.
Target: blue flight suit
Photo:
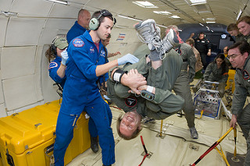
[
  {"x": 81, "y": 93},
  {"x": 75, "y": 30},
  {"x": 53, "y": 67}
]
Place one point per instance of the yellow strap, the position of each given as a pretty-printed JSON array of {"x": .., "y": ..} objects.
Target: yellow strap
[
  {"x": 222, "y": 155},
  {"x": 201, "y": 114}
]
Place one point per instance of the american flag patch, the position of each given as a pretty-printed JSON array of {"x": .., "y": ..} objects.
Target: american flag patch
[{"x": 121, "y": 36}]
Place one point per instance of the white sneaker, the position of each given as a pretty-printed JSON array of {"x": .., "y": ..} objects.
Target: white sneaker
[
  {"x": 149, "y": 33},
  {"x": 193, "y": 132},
  {"x": 169, "y": 41}
]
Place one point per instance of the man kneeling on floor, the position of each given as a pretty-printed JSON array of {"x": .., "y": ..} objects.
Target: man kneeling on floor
[{"x": 154, "y": 99}]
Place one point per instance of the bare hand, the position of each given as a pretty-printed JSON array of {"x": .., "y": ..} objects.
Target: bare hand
[
  {"x": 117, "y": 53},
  {"x": 233, "y": 121},
  {"x": 143, "y": 87},
  {"x": 209, "y": 53},
  {"x": 133, "y": 80}
]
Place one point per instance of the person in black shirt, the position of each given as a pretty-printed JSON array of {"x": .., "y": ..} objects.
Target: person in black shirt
[{"x": 204, "y": 47}]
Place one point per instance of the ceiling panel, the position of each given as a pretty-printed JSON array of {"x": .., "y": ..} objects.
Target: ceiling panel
[{"x": 31, "y": 7}]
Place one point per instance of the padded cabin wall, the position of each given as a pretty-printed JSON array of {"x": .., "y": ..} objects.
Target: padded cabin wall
[
  {"x": 3, "y": 22},
  {"x": 124, "y": 40},
  {"x": 123, "y": 37},
  {"x": 20, "y": 82},
  {"x": 22, "y": 52},
  {"x": 5, "y": 5}
]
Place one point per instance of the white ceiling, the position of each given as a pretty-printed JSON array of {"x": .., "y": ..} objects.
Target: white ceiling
[{"x": 41, "y": 20}]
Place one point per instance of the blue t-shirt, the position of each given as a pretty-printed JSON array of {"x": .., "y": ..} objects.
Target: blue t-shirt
[{"x": 75, "y": 30}]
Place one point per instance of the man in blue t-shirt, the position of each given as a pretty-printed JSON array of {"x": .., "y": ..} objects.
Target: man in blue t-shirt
[{"x": 80, "y": 26}]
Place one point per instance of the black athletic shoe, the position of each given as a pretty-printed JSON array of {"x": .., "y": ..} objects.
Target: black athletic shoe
[{"x": 94, "y": 144}]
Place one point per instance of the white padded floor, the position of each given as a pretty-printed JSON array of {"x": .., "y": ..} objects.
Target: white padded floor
[{"x": 175, "y": 149}]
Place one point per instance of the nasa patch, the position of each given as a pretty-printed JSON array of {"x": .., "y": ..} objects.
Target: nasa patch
[
  {"x": 131, "y": 101},
  {"x": 91, "y": 49},
  {"x": 102, "y": 53},
  {"x": 53, "y": 65},
  {"x": 78, "y": 42}
]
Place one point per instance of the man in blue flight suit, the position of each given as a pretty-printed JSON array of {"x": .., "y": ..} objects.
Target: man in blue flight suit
[
  {"x": 85, "y": 66},
  {"x": 80, "y": 26}
]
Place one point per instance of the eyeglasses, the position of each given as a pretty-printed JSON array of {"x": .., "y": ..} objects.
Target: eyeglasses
[{"x": 232, "y": 56}]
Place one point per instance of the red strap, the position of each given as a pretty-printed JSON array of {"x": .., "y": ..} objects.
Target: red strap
[
  {"x": 145, "y": 150},
  {"x": 143, "y": 159}
]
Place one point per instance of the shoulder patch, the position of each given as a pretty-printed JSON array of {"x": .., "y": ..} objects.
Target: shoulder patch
[
  {"x": 131, "y": 101},
  {"x": 78, "y": 42},
  {"x": 178, "y": 50},
  {"x": 53, "y": 65},
  {"x": 245, "y": 75}
]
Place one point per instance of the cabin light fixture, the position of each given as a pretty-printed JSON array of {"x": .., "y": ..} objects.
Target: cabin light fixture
[
  {"x": 239, "y": 14},
  {"x": 59, "y": 1},
  {"x": 162, "y": 12},
  {"x": 174, "y": 16},
  {"x": 8, "y": 14},
  {"x": 201, "y": 24},
  {"x": 210, "y": 19},
  {"x": 144, "y": 4},
  {"x": 210, "y": 22},
  {"x": 128, "y": 17},
  {"x": 138, "y": 20},
  {"x": 198, "y": 2}
]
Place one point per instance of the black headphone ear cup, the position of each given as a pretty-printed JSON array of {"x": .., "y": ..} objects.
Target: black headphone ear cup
[
  {"x": 93, "y": 24},
  {"x": 53, "y": 49}
]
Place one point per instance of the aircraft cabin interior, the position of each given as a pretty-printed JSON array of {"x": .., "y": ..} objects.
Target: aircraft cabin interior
[{"x": 28, "y": 28}]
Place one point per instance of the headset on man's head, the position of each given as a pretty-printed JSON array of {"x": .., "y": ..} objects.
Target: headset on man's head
[
  {"x": 53, "y": 47},
  {"x": 94, "y": 23}
]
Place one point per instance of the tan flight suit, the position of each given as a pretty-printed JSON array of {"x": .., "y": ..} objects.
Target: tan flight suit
[{"x": 198, "y": 64}]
